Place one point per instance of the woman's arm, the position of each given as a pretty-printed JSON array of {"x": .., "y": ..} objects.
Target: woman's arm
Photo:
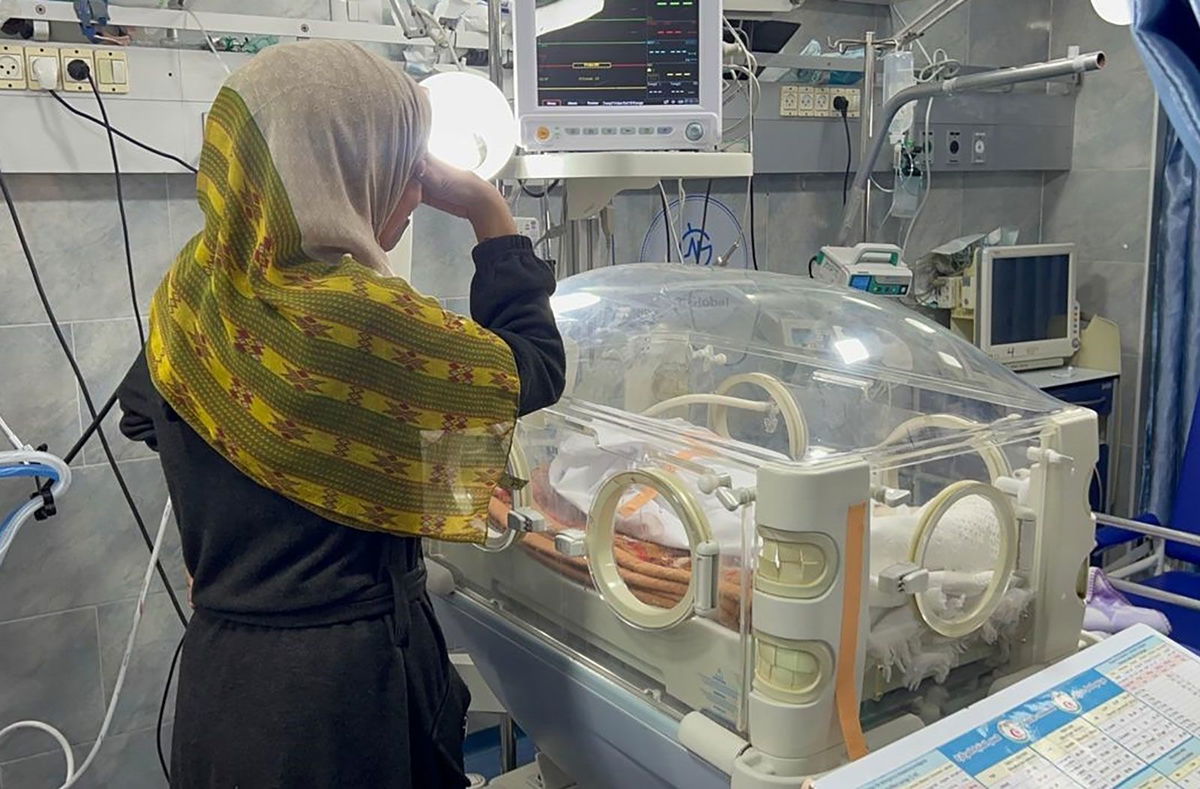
[
  {"x": 511, "y": 289},
  {"x": 135, "y": 396},
  {"x": 510, "y": 294}
]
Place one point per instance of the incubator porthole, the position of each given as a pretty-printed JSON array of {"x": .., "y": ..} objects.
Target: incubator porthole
[
  {"x": 499, "y": 537},
  {"x": 966, "y": 538},
  {"x": 653, "y": 603}
]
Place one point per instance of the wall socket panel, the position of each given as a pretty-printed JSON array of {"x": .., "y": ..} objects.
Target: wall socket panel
[
  {"x": 529, "y": 226},
  {"x": 18, "y": 68},
  {"x": 816, "y": 101}
]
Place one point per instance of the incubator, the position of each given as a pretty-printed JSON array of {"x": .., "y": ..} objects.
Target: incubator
[{"x": 768, "y": 515}]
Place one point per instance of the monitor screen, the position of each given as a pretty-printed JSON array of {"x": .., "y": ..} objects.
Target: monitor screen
[
  {"x": 631, "y": 53},
  {"x": 1030, "y": 298}
]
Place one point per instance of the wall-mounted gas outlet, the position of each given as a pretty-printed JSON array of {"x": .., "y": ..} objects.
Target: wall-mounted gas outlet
[
  {"x": 72, "y": 83},
  {"x": 953, "y": 146},
  {"x": 979, "y": 148},
  {"x": 12, "y": 67}
]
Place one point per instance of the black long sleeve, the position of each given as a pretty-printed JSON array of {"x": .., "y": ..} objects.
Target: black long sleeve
[{"x": 510, "y": 295}]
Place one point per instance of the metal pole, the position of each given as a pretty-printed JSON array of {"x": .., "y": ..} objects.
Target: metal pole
[
  {"x": 867, "y": 120},
  {"x": 860, "y": 192},
  {"x": 508, "y": 745},
  {"x": 495, "y": 45},
  {"x": 928, "y": 19}
]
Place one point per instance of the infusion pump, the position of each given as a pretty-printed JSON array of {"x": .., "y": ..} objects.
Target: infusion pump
[
  {"x": 873, "y": 268},
  {"x": 622, "y": 75}
]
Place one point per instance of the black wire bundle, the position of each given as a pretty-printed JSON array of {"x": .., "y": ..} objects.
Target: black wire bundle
[
  {"x": 842, "y": 105},
  {"x": 662, "y": 195}
]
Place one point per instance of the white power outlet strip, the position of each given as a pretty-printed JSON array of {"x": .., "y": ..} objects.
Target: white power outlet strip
[{"x": 529, "y": 226}]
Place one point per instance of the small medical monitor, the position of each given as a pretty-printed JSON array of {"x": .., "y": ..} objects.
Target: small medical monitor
[
  {"x": 617, "y": 74},
  {"x": 1026, "y": 310}
]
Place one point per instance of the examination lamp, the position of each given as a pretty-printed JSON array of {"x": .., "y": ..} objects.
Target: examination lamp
[
  {"x": 473, "y": 126},
  {"x": 1117, "y": 12}
]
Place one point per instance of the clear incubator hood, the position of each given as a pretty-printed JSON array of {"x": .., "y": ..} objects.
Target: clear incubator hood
[{"x": 762, "y": 495}]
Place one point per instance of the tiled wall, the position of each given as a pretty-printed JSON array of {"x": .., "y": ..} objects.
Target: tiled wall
[
  {"x": 1103, "y": 203},
  {"x": 68, "y": 584}
]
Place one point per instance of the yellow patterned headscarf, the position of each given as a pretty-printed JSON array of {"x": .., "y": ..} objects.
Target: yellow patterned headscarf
[{"x": 276, "y": 337}]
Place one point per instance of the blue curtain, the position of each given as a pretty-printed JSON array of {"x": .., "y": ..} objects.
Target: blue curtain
[
  {"x": 1167, "y": 35},
  {"x": 1174, "y": 325}
]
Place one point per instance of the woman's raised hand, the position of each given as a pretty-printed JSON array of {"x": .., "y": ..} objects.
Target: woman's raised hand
[{"x": 466, "y": 195}]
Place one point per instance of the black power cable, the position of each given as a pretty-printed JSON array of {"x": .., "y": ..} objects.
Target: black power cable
[
  {"x": 131, "y": 140},
  {"x": 662, "y": 195},
  {"x": 162, "y": 711},
  {"x": 704, "y": 217},
  {"x": 538, "y": 195},
  {"x": 76, "y": 68},
  {"x": 842, "y": 105},
  {"x": 753, "y": 236}
]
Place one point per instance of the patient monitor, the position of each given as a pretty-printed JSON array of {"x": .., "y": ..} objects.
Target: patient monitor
[
  {"x": 762, "y": 535},
  {"x": 617, "y": 75}
]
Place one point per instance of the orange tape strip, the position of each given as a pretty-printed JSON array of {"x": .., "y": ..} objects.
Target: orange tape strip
[
  {"x": 650, "y": 494},
  {"x": 846, "y": 692}
]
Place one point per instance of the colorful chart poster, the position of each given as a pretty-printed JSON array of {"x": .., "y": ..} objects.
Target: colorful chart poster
[{"x": 1123, "y": 714}]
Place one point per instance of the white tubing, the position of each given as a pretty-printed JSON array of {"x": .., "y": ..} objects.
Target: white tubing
[
  {"x": 707, "y": 399},
  {"x": 793, "y": 417},
  {"x": 73, "y": 775},
  {"x": 26, "y": 511}
]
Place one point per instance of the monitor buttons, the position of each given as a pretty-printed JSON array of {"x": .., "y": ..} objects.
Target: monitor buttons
[
  {"x": 646, "y": 130},
  {"x": 542, "y": 133},
  {"x": 591, "y": 131},
  {"x": 663, "y": 130},
  {"x": 694, "y": 131},
  {"x": 609, "y": 130},
  {"x": 627, "y": 130},
  {"x": 571, "y": 131}
]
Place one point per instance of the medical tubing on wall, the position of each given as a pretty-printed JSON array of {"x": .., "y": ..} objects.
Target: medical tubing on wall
[
  {"x": 973, "y": 82},
  {"x": 73, "y": 775}
]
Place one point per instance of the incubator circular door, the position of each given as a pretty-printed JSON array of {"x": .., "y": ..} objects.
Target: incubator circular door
[
  {"x": 643, "y": 593},
  {"x": 966, "y": 538},
  {"x": 783, "y": 408},
  {"x": 499, "y": 536}
]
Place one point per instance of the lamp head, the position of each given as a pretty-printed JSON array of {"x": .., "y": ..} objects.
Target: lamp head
[
  {"x": 1117, "y": 12},
  {"x": 473, "y": 126}
]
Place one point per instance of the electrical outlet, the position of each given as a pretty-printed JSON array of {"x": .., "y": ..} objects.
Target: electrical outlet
[
  {"x": 68, "y": 82},
  {"x": 789, "y": 101},
  {"x": 854, "y": 106},
  {"x": 822, "y": 101},
  {"x": 804, "y": 102},
  {"x": 39, "y": 59},
  {"x": 12, "y": 67},
  {"x": 528, "y": 226}
]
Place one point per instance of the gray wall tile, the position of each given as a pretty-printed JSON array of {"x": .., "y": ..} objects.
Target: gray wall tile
[
  {"x": 1103, "y": 212},
  {"x": 804, "y": 215},
  {"x": 951, "y": 34},
  {"x": 157, "y": 639},
  {"x": 37, "y": 390},
  {"x": 441, "y": 261},
  {"x": 1114, "y": 120},
  {"x": 105, "y": 350},
  {"x": 75, "y": 234},
  {"x": 1131, "y": 364},
  {"x": 939, "y": 221},
  {"x": 186, "y": 218},
  {"x": 1011, "y": 33},
  {"x": 50, "y": 671},
  {"x": 125, "y": 761},
  {"x": 990, "y": 200},
  {"x": 1114, "y": 291},
  {"x": 1073, "y": 22},
  {"x": 91, "y": 552}
]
